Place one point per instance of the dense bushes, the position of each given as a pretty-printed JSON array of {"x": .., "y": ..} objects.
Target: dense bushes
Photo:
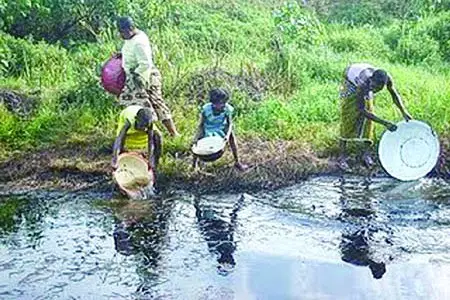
[
  {"x": 422, "y": 41},
  {"x": 74, "y": 20},
  {"x": 376, "y": 12},
  {"x": 414, "y": 48},
  {"x": 355, "y": 40},
  {"x": 282, "y": 61},
  {"x": 56, "y": 20},
  {"x": 296, "y": 24},
  {"x": 39, "y": 63}
]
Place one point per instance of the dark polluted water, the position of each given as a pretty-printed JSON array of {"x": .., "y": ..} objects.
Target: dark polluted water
[{"x": 322, "y": 239}]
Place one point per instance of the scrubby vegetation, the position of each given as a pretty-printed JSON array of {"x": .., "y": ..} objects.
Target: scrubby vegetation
[{"x": 283, "y": 62}]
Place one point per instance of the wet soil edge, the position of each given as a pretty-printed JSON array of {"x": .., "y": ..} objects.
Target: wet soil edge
[{"x": 273, "y": 164}]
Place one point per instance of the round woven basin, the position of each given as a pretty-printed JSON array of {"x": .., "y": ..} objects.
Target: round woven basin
[{"x": 132, "y": 173}]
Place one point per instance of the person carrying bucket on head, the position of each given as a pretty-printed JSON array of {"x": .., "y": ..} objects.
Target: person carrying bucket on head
[
  {"x": 143, "y": 80},
  {"x": 361, "y": 83},
  {"x": 137, "y": 133},
  {"x": 216, "y": 120}
]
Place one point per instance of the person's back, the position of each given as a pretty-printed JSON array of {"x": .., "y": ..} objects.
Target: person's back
[
  {"x": 137, "y": 57},
  {"x": 359, "y": 73}
]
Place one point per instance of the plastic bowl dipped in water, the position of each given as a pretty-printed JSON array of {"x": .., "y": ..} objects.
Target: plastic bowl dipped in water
[{"x": 132, "y": 173}]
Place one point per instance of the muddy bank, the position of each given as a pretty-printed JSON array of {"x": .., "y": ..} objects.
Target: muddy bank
[{"x": 272, "y": 165}]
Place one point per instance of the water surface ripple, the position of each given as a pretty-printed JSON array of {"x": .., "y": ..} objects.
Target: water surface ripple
[{"x": 322, "y": 239}]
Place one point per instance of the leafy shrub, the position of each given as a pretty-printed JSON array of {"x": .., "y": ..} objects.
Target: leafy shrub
[
  {"x": 299, "y": 58},
  {"x": 357, "y": 12},
  {"x": 88, "y": 92},
  {"x": 414, "y": 48},
  {"x": 344, "y": 40},
  {"x": 376, "y": 12},
  {"x": 424, "y": 40},
  {"x": 438, "y": 28},
  {"x": 57, "y": 20},
  {"x": 74, "y": 20},
  {"x": 7, "y": 125},
  {"x": 37, "y": 62},
  {"x": 292, "y": 67},
  {"x": 295, "y": 23}
]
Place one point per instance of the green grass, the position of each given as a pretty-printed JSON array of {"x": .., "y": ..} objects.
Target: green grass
[{"x": 301, "y": 66}]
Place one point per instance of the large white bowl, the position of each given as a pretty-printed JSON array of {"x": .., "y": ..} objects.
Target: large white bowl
[
  {"x": 410, "y": 152},
  {"x": 209, "y": 145}
]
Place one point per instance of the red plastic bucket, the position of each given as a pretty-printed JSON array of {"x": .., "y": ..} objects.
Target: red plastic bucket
[{"x": 113, "y": 75}]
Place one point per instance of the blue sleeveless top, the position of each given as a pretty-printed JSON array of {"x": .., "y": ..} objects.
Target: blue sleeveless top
[{"x": 215, "y": 125}]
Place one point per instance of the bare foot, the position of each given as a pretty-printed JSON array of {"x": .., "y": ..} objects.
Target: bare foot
[
  {"x": 342, "y": 164},
  {"x": 368, "y": 161},
  {"x": 241, "y": 167},
  {"x": 195, "y": 164}
]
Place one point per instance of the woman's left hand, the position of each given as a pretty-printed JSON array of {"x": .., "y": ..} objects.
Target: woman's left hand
[{"x": 407, "y": 117}]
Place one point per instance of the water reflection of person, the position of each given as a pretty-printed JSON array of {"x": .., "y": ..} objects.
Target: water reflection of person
[
  {"x": 355, "y": 250},
  {"x": 140, "y": 230},
  {"x": 358, "y": 236},
  {"x": 218, "y": 233}
]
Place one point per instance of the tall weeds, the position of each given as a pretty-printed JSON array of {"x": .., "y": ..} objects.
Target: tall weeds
[{"x": 290, "y": 55}]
